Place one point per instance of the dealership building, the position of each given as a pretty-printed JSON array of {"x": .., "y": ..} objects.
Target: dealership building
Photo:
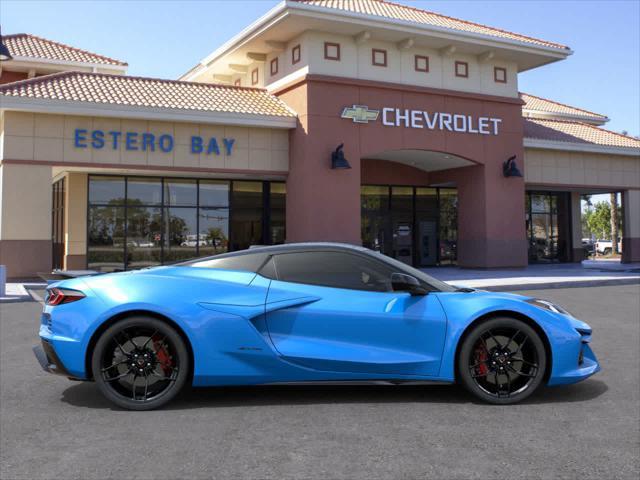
[{"x": 365, "y": 122}]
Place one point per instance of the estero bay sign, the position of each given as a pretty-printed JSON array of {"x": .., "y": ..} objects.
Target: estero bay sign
[
  {"x": 136, "y": 141},
  {"x": 403, "y": 117}
]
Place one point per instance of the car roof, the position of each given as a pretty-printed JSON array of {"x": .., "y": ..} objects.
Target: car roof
[
  {"x": 285, "y": 248},
  {"x": 296, "y": 247}
]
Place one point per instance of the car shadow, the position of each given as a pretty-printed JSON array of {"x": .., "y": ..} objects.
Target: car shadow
[{"x": 86, "y": 394}]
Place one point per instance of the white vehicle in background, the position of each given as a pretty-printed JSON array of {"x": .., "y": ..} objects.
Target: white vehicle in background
[
  {"x": 605, "y": 247},
  {"x": 193, "y": 240}
]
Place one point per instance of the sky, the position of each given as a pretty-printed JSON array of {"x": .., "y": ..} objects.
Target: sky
[{"x": 166, "y": 38}]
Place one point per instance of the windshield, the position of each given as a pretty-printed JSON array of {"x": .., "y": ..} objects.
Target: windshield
[{"x": 433, "y": 283}]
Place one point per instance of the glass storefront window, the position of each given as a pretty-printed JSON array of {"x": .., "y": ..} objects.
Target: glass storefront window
[
  {"x": 277, "y": 216},
  {"x": 180, "y": 193},
  {"x": 214, "y": 193},
  {"x": 136, "y": 222},
  {"x": 144, "y": 191},
  {"x": 106, "y": 190},
  {"x": 214, "y": 230},
  {"x": 106, "y": 238},
  {"x": 144, "y": 236},
  {"x": 180, "y": 234},
  {"x": 448, "y": 229}
]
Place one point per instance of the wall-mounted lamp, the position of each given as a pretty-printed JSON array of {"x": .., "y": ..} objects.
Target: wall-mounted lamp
[
  {"x": 4, "y": 51},
  {"x": 338, "y": 162},
  {"x": 510, "y": 169}
]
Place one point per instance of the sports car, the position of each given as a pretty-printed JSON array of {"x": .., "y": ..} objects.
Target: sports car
[{"x": 301, "y": 313}]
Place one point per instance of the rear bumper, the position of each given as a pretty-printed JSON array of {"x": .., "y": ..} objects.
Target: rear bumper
[{"x": 49, "y": 360}]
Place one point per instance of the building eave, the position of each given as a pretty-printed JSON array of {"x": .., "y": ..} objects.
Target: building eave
[
  {"x": 581, "y": 147},
  {"x": 48, "y": 62},
  {"x": 287, "y": 7},
  {"x": 66, "y": 107},
  {"x": 529, "y": 113}
]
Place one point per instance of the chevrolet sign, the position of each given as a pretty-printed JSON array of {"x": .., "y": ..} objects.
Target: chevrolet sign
[
  {"x": 360, "y": 114},
  {"x": 397, "y": 117}
]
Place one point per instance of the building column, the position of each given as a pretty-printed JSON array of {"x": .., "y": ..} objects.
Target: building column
[
  {"x": 25, "y": 219},
  {"x": 491, "y": 219},
  {"x": 75, "y": 221},
  {"x": 577, "y": 252},
  {"x": 631, "y": 239}
]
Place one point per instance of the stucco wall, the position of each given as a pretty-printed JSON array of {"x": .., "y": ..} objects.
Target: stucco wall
[
  {"x": 50, "y": 138},
  {"x": 554, "y": 167}
]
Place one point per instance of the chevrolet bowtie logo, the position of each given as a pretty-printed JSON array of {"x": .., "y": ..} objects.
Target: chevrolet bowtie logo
[{"x": 360, "y": 114}]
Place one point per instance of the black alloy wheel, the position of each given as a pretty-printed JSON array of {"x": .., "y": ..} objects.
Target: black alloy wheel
[
  {"x": 502, "y": 361},
  {"x": 140, "y": 363}
]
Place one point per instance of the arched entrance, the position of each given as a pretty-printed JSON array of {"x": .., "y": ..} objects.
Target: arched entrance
[{"x": 403, "y": 213}]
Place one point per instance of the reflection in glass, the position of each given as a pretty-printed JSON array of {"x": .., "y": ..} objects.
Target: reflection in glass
[
  {"x": 426, "y": 226},
  {"x": 105, "y": 243},
  {"x": 375, "y": 224},
  {"x": 180, "y": 238},
  {"x": 106, "y": 190},
  {"x": 214, "y": 231},
  {"x": 144, "y": 235},
  {"x": 246, "y": 216},
  {"x": 180, "y": 193},
  {"x": 144, "y": 191},
  {"x": 277, "y": 201},
  {"x": 214, "y": 193},
  {"x": 448, "y": 233}
]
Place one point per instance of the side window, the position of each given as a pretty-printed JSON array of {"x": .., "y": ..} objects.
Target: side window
[
  {"x": 244, "y": 262},
  {"x": 334, "y": 269}
]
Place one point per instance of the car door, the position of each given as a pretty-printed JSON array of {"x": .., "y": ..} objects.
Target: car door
[{"x": 348, "y": 319}]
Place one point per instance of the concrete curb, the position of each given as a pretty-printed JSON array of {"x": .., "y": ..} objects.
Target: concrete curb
[{"x": 552, "y": 285}]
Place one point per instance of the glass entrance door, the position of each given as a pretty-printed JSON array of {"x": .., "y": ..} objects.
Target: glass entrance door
[
  {"x": 416, "y": 225},
  {"x": 548, "y": 229}
]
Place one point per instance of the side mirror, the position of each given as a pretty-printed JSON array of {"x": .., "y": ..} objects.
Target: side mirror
[{"x": 401, "y": 282}]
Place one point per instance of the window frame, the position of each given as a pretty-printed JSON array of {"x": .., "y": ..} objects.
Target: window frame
[
  {"x": 274, "y": 62},
  {"x": 255, "y": 76},
  {"x": 296, "y": 54},
  {"x": 417, "y": 58},
  {"x": 495, "y": 74},
  {"x": 465, "y": 65},
  {"x": 327, "y": 45},
  {"x": 375, "y": 51}
]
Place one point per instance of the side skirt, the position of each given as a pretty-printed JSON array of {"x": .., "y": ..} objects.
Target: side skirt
[{"x": 364, "y": 382}]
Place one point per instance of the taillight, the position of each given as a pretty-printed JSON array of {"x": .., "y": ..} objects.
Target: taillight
[{"x": 58, "y": 296}]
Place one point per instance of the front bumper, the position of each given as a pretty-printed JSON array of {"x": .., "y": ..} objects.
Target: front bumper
[{"x": 49, "y": 360}]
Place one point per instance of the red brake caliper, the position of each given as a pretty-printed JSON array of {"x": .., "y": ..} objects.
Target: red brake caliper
[
  {"x": 481, "y": 356},
  {"x": 162, "y": 355}
]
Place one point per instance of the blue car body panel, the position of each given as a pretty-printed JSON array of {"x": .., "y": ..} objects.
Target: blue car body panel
[{"x": 243, "y": 328}]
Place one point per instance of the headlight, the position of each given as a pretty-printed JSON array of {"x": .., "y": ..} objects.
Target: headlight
[{"x": 547, "y": 305}]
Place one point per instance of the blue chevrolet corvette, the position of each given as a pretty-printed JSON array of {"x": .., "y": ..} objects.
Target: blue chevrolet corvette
[{"x": 316, "y": 312}]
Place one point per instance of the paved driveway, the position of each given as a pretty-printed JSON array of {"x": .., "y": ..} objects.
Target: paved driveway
[{"x": 54, "y": 428}]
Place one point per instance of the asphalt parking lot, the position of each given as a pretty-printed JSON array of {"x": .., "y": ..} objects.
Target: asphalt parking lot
[{"x": 54, "y": 428}]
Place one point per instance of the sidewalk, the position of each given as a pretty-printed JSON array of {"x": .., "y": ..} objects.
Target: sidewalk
[
  {"x": 535, "y": 277},
  {"x": 19, "y": 292}
]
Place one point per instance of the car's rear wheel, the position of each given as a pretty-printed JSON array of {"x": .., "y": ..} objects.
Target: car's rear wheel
[
  {"x": 140, "y": 363},
  {"x": 502, "y": 361}
]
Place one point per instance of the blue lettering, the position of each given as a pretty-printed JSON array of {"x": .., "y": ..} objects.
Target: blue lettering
[
  {"x": 213, "y": 146},
  {"x": 80, "y": 137},
  {"x": 228, "y": 144},
  {"x": 196, "y": 144},
  {"x": 148, "y": 140},
  {"x": 165, "y": 142},
  {"x": 115, "y": 136},
  {"x": 132, "y": 141},
  {"x": 97, "y": 137}
]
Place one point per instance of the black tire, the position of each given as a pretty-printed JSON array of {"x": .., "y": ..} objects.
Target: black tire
[
  {"x": 498, "y": 352},
  {"x": 607, "y": 251},
  {"x": 119, "y": 358}
]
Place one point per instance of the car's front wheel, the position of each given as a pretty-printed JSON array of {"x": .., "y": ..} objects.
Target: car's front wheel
[
  {"x": 140, "y": 363},
  {"x": 502, "y": 361}
]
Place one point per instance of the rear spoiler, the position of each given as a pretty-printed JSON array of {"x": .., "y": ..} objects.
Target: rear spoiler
[{"x": 57, "y": 275}]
